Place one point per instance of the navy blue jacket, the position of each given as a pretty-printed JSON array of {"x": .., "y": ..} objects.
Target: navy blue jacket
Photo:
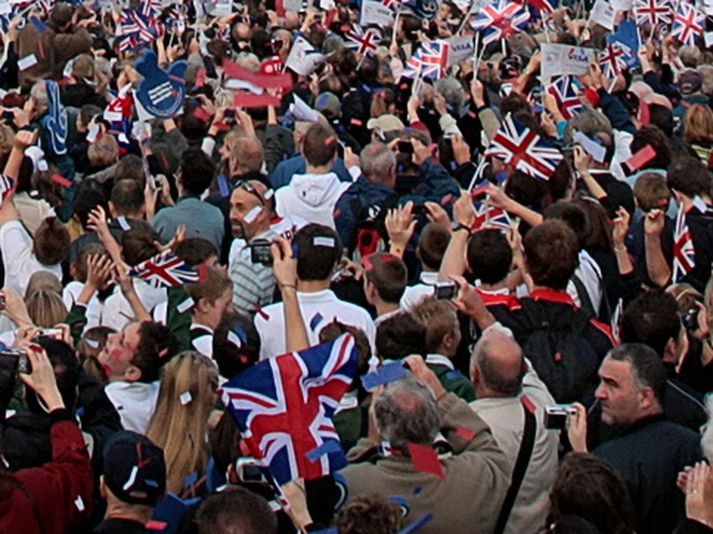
[{"x": 284, "y": 171}]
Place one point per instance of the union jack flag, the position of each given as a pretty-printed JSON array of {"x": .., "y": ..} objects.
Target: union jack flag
[
  {"x": 500, "y": 20},
  {"x": 523, "y": 149},
  {"x": 614, "y": 59},
  {"x": 567, "y": 98},
  {"x": 429, "y": 61},
  {"x": 150, "y": 8},
  {"x": 284, "y": 407},
  {"x": 688, "y": 23},
  {"x": 363, "y": 42},
  {"x": 165, "y": 270},
  {"x": 134, "y": 29},
  {"x": 653, "y": 12},
  {"x": 684, "y": 255}
]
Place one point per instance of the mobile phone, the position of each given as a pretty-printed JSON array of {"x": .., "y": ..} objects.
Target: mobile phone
[
  {"x": 16, "y": 361},
  {"x": 556, "y": 415},
  {"x": 53, "y": 333},
  {"x": 419, "y": 209},
  {"x": 229, "y": 113},
  {"x": 445, "y": 290},
  {"x": 690, "y": 318},
  {"x": 405, "y": 147},
  {"x": 260, "y": 252},
  {"x": 247, "y": 470}
]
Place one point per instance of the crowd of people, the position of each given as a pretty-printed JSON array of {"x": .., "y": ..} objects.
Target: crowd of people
[{"x": 356, "y": 267}]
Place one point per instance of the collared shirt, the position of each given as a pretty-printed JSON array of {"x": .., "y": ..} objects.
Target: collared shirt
[
  {"x": 414, "y": 294},
  {"x": 318, "y": 310},
  {"x": 439, "y": 359},
  {"x": 385, "y": 316},
  {"x": 202, "y": 339},
  {"x": 253, "y": 283}
]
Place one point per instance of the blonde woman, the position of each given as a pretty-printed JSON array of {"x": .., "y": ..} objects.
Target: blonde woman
[
  {"x": 698, "y": 131},
  {"x": 180, "y": 422}
]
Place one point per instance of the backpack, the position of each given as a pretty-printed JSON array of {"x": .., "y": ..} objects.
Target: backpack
[
  {"x": 560, "y": 353},
  {"x": 371, "y": 235}
]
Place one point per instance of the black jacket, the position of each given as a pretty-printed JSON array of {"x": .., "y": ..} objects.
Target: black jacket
[{"x": 649, "y": 455}]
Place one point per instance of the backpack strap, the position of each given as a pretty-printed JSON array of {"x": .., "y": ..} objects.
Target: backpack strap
[
  {"x": 584, "y": 298},
  {"x": 523, "y": 459}
]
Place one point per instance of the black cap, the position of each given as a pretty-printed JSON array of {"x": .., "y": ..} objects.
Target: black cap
[{"x": 134, "y": 468}]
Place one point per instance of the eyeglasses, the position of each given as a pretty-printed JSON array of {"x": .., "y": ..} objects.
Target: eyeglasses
[{"x": 249, "y": 188}]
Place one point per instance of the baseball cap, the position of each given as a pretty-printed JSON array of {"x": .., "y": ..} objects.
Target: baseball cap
[
  {"x": 134, "y": 468},
  {"x": 690, "y": 81},
  {"x": 328, "y": 105},
  {"x": 385, "y": 123}
]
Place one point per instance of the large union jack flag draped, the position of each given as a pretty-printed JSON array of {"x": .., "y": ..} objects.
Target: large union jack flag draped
[
  {"x": 165, "y": 270},
  {"x": 429, "y": 61},
  {"x": 284, "y": 407},
  {"x": 652, "y": 12},
  {"x": 523, "y": 149},
  {"x": 684, "y": 255},
  {"x": 567, "y": 98},
  {"x": 499, "y": 20},
  {"x": 688, "y": 23},
  {"x": 363, "y": 42}
]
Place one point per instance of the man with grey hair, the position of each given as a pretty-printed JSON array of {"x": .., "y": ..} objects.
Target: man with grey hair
[
  {"x": 360, "y": 212},
  {"x": 649, "y": 450},
  {"x": 408, "y": 414},
  {"x": 510, "y": 399}
]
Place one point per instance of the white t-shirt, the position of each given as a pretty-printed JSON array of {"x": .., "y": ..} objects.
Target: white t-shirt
[
  {"x": 135, "y": 402},
  {"x": 414, "y": 294},
  {"x": 19, "y": 260},
  {"x": 318, "y": 310},
  {"x": 117, "y": 310},
  {"x": 71, "y": 293}
]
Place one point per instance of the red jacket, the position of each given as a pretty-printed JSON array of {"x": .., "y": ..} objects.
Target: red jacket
[{"x": 56, "y": 497}]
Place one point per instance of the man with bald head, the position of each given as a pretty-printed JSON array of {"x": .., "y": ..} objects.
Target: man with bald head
[
  {"x": 251, "y": 209},
  {"x": 508, "y": 392}
]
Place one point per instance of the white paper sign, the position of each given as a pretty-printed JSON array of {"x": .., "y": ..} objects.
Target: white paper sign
[
  {"x": 302, "y": 112},
  {"x": 375, "y": 13},
  {"x": 27, "y": 62},
  {"x": 560, "y": 59},
  {"x": 603, "y": 14},
  {"x": 622, "y": 5},
  {"x": 303, "y": 58},
  {"x": 598, "y": 152},
  {"x": 461, "y": 49}
]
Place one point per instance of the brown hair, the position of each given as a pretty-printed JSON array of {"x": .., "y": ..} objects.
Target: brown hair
[
  {"x": 212, "y": 288},
  {"x": 651, "y": 192},
  {"x": 432, "y": 245},
  {"x": 319, "y": 145},
  {"x": 698, "y": 124},
  {"x": 90, "y": 345},
  {"x": 139, "y": 243},
  {"x": 369, "y": 514},
  {"x": 104, "y": 151},
  {"x": 589, "y": 487},
  {"x": 551, "y": 254},
  {"x": 389, "y": 275},
  {"x": 51, "y": 241},
  {"x": 46, "y": 308},
  {"x": 180, "y": 422},
  {"x": 80, "y": 264},
  {"x": 438, "y": 318}
]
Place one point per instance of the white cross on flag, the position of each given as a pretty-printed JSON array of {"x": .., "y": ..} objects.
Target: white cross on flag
[
  {"x": 523, "y": 149},
  {"x": 688, "y": 24}
]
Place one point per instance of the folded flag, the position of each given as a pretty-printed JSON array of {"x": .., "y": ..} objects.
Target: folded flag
[{"x": 284, "y": 407}]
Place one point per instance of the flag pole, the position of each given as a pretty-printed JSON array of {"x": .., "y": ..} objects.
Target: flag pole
[{"x": 465, "y": 17}]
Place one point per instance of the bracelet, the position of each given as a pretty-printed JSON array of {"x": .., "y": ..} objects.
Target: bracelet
[
  {"x": 293, "y": 286},
  {"x": 462, "y": 227},
  {"x": 620, "y": 249}
]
